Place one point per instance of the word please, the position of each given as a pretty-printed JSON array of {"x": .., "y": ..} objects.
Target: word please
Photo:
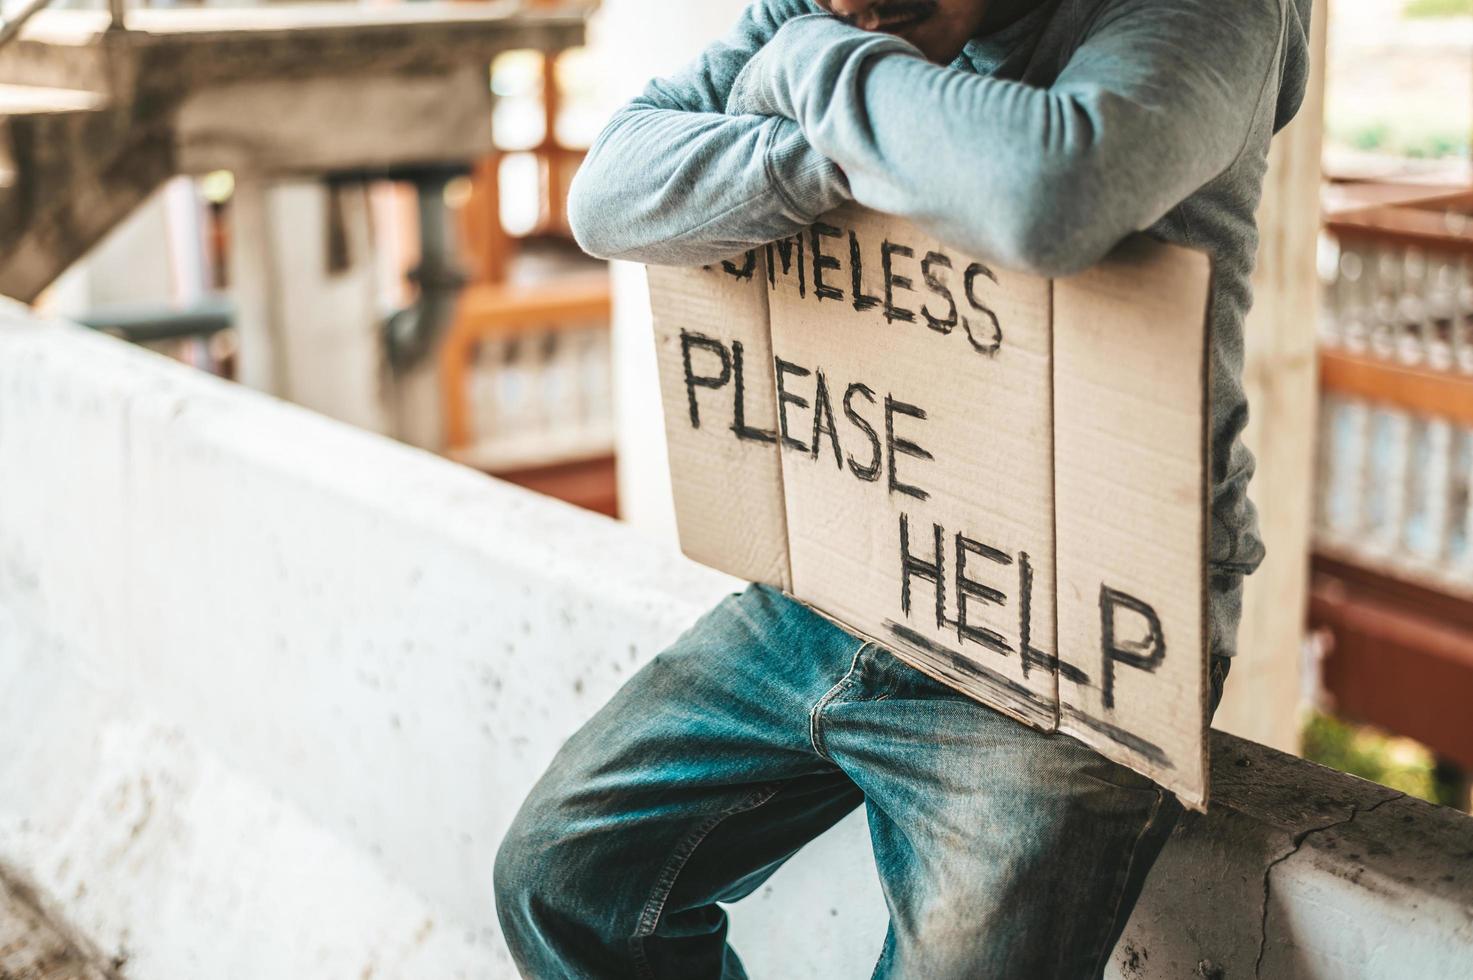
[{"x": 726, "y": 366}]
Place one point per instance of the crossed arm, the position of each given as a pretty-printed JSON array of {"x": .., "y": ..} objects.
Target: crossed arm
[{"x": 795, "y": 113}]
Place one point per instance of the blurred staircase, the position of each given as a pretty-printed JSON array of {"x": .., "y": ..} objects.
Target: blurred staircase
[{"x": 94, "y": 117}]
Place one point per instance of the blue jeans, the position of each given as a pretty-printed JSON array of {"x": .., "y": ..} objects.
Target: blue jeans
[{"x": 1002, "y": 851}]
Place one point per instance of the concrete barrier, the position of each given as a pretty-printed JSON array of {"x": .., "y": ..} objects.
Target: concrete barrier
[{"x": 271, "y": 689}]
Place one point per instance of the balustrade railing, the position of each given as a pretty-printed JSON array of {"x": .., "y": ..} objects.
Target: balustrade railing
[{"x": 1396, "y": 350}]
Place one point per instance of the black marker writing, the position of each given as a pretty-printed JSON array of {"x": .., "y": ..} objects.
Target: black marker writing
[
  {"x": 1031, "y": 655},
  {"x": 899, "y": 446},
  {"x": 870, "y": 472},
  {"x": 893, "y": 281},
  {"x": 862, "y": 301},
  {"x": 739, "y": 407},
  {"x": 967, "y": 588},
  {"x": 1143, "y": 654},
  {"x": 929, "y": 264},
  {"x": 743, "y": 271},
  {"x": 932, "y": 571},
  {"x": 784, "y": 248},
  {"x": 786, "y": 398},
  {"x": 823, "y": 421},
  {"x": 817, "y": 233},
  {"x": 688, "y": 342},
  {"x": 986, "y": 339},
  {"x": 942, "y": 313}
]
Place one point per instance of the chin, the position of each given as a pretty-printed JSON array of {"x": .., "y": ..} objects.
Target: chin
[{"x": 932, "y": 49}]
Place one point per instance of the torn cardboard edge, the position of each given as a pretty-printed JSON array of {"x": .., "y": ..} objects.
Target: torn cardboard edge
[{"x": 999, "y": 478}]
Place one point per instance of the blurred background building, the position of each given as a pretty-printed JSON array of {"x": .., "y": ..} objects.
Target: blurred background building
[{"x": 360, "y": 209}]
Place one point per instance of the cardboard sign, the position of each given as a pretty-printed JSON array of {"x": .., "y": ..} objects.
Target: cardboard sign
[{"x": 998, "y": 477}]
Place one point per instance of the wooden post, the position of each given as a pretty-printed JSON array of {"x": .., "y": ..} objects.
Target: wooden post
[{"x": 1262, "y": 700}]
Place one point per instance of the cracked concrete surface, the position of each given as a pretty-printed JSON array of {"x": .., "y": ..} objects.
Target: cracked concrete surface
[
  {"x": 1297, "y": 843},
  {"x": 1300, "y": 872}
]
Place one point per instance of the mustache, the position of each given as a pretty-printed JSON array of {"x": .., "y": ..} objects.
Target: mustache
[{"x": 896, "y": 11}]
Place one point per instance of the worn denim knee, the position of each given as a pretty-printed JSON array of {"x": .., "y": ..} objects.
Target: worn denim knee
[{"x": 526, "y": 875}]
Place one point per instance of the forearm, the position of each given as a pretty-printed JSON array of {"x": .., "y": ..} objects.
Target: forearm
[
  {"x": 674, "y": 187},
  {"x": 674, "y": 179},
  {"x": 1030, "y": 178},
  {"x": 1044, "y": 179}
]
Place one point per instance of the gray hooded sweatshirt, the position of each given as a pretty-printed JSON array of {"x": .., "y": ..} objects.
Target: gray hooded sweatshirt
[{"x": 1042, "y": 146}]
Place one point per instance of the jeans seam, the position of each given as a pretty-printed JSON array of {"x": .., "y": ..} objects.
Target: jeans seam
[
  {"x": 815, "y": 736},
  {"x": 1124, "y": 886},
  {"x": 654, "y": 907}
]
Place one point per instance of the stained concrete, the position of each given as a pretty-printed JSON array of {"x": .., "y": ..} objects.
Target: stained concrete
[{"x": 34, "y": 945}]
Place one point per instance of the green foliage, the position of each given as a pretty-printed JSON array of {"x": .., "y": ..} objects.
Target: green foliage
[
  {"x": 1447, "y": 144},
  {"x": 1417, "y": 141},
  {"x": 1371, "y": 137},
  {"x": 1360, "y": 750},
  {"x": 1438, "y": 8}
]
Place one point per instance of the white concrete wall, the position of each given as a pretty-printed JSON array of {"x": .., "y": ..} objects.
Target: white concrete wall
[
  {"x": 272, "y": 676},
  {"x": 271, "y": 689}
]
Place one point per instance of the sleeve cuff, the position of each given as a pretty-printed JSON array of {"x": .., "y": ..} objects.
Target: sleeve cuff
[{"x": 809, "y": 182}]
